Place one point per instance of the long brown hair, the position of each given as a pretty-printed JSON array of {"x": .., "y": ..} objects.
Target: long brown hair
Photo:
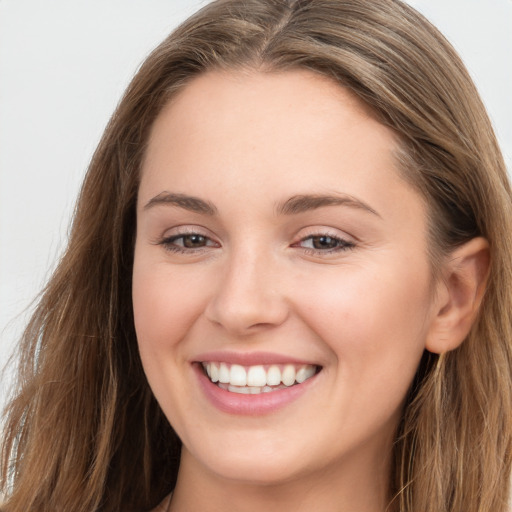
[{"x": 83, "y": 431}]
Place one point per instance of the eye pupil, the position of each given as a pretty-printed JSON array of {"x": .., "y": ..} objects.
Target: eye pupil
[
  {"x": 193, "y": 241},
  {"x": 324, "y": 242}
]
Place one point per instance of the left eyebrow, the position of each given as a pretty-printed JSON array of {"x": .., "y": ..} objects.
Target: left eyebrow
[{"x": 304, "y": 203}]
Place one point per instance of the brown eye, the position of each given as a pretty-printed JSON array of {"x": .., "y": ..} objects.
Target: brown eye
[
  {"x": 188, "y": 243},
  {"x": 324, "y": 242},
  {"x": 193, "y": 241}
]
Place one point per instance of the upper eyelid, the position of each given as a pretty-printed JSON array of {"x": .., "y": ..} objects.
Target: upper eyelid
[
  {"x": 176, "y": 232},
  {"x": 312, "y": 231},
  {"x": 325, "y": 233},
  {"x": 183, "y": 230}
]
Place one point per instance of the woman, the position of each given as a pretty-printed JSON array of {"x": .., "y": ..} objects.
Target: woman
[{"x": 287, "y": 283}]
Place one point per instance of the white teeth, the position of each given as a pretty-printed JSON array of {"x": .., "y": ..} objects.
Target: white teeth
[
  {"x": 273, "y": 376},
  {"x": 288, "y": 376},
  {"x": 244, "y": 390},
  {"x": 304, "y": 373},
  {"x": 250, "y": 390},
  {"x": 223, "y": 373},
  {"x": 214, "y": 372},
  {"x": 238, "y": 375},
  {"x": 256, "y": 379},
  {"x": 256, "y": 376}
]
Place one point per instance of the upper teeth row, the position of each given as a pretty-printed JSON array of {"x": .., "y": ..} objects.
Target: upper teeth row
[{"x": 258, "y": 375}]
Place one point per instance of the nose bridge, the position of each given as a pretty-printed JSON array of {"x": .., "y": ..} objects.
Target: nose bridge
[{"x": 248, "y": 293}]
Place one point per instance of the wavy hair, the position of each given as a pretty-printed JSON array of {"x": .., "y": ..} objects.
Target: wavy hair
[{"x": 83, "y": 431}]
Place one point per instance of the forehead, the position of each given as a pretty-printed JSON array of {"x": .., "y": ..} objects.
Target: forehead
[
  {"x": 248, "y": 109},
  {"x": 268, "y": 135},
  {"x": 253, "y": 95}
]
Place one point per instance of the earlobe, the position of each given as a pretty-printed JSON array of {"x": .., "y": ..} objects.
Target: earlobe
[{"x": 459, "y": 296}]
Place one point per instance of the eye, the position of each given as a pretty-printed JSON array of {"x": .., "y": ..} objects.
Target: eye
[
  {"x": 324, "y": 243},
  {"x": 187, "y": 242},
  {"x": 190, "y": 241}
]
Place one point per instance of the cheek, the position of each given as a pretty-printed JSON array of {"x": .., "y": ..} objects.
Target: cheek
[
  {"x": 165, "y": 305},
  {"x": 374, "y": 322}
]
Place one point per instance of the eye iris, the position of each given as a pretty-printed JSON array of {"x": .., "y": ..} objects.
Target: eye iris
[
  {"x": 194, "y": 241},
  {"x": 324, "y": 242}
]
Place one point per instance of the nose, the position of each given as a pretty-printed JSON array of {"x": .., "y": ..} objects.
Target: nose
[{"x": 249, "y": 296}]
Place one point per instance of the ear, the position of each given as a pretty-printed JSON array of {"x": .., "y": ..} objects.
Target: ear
[{"x": 459, "y": 294}]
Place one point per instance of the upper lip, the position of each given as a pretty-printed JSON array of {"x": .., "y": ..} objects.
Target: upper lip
[{"x": 250, "y": 358}]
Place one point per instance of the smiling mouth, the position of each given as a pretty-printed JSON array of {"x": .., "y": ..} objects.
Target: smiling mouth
[{"x": 253, "y": 380}]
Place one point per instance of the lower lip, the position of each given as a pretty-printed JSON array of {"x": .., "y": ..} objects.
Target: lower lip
[{"x": 249, "y": 405}]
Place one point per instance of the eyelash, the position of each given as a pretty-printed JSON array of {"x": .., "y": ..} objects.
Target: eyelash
[
  {"x": 169, "y": 243},
  {"x": 340, "y": 244}
]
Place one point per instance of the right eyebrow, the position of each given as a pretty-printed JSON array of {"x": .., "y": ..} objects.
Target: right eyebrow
[{"x": 191, "y": 203}]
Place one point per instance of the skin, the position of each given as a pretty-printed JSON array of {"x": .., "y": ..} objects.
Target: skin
[{"x": 245, "y": 142}]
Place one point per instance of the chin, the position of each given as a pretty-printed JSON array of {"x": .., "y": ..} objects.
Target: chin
[
  {"x": 257, "y": 466},
  {"x": 259, "y": 474}
]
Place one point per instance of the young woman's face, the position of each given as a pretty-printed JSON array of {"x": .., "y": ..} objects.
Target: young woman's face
[{"x": 279, "y": 250}]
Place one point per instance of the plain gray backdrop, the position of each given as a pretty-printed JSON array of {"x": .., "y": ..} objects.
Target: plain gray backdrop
[{"x": 64, "y": 65}]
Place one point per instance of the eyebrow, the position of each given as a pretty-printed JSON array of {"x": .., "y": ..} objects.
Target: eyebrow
[
  {"x": 191, "y": 203},
  {"x": 292, "y": 206},
  {"x": 304, "y": 203}
]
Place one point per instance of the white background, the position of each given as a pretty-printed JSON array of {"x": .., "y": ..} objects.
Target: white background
[{"x": 64, "y": 65}]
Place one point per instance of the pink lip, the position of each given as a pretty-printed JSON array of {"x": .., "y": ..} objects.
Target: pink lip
[
  {"x": 249, "y": 405},
  {"x": 248, "y": 358}
]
